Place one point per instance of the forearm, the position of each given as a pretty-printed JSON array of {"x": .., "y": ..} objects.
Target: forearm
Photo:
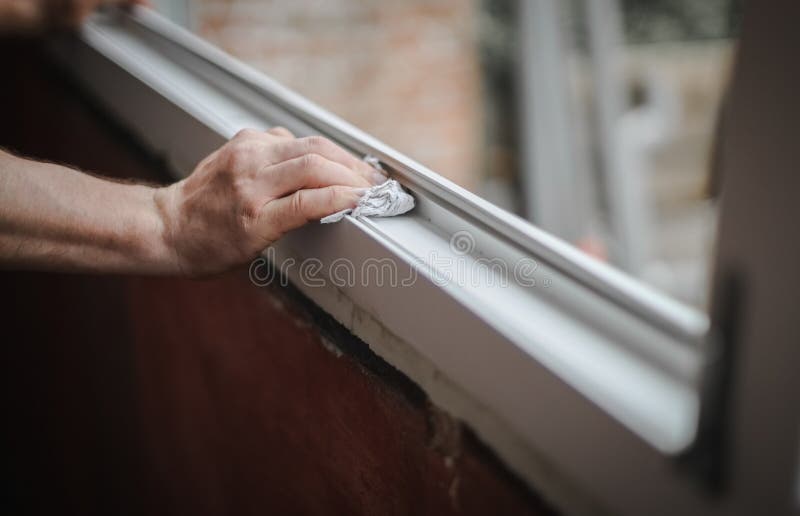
[
  {"x": 20, "y": 16},
  {"x": 238, "y": 200},
  {"x": 56, "y": 218},
  {"x": 38, "y": 16}
]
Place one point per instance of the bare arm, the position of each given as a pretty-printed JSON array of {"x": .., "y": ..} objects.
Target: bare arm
[
  {"x": 238, "y": 200},
  {"x": 37, "y": 16},
  {"x": 53, "y": 217}
]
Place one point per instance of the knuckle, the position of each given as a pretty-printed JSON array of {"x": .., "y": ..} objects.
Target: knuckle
[
  {"x": 249, "y": 211},
  {"x": 318, "y": 144},
  {"x": 246, "y": 133},
  {"x": 298, "y": 203},
  {"x": 312, "y": 161},
  {"x": 240, "y": 188},
  {"x": 236, "y": 155},
  {"x": 332, "y": 195},
  {"x": 279, "y": 129}
]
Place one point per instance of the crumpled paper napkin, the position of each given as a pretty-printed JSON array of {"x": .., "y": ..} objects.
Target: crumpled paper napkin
[{"x": 384, "y": 200}]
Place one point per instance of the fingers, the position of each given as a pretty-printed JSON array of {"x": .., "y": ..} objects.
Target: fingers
[
  {"x": 318, "y": 145},
  {"x": 303, "y": 206},
  {"x": 274, "y": 166},
  {"x": 307, "y": 171},
  {"x": 281, "y": 132},
  {"x": 289, "y": 147}
]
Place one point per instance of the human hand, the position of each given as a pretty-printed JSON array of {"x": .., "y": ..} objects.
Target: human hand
[
  {"x": 33, "y": 16},
  {"x": 247, "y": 194}
]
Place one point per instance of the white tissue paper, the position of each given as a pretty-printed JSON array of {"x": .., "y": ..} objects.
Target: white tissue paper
[{"x": 384, "y": 200}]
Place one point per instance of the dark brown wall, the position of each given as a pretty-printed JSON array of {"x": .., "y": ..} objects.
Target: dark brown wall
[{"x": 171, "y": 396}]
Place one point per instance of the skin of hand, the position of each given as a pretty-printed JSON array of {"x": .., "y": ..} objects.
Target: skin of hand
[
  {"x": 236, "y": 202},
  {"x": 258, "y": 186},
  {"x": 37, "y": 16}
]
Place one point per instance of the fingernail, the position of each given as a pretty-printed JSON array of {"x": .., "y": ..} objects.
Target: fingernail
[
  {"x": 360, "y": 191},
  {"x": 378, "y": 178}
]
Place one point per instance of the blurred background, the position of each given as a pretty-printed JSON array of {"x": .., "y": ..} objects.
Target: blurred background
[{"x": 593, "y": 119}]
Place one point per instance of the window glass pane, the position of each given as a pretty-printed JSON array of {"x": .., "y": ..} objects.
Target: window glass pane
[{"x": 594, "y": 119}]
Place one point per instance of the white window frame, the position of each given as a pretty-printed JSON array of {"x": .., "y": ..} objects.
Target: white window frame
[{"x": 589, "y": 384}]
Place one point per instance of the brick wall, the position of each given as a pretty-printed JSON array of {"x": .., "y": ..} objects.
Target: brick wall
[{"x": 406, "y": 72}]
